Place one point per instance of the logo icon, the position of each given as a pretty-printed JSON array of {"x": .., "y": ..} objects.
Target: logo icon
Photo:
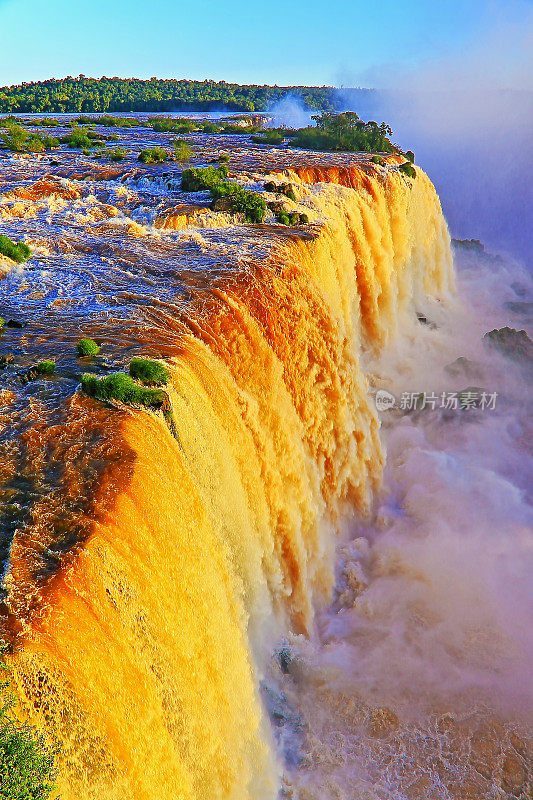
[{"x": 384, "y": 400}]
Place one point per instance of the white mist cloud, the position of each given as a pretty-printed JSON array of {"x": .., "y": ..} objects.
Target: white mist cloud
[
  {"x": 469, "y": 117},
  {"x": 291, "y": 112}
]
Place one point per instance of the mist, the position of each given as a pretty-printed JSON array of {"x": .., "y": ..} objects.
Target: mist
[
  {"x": 468, "y": 118},
  {"x": 290, "y": 112}
]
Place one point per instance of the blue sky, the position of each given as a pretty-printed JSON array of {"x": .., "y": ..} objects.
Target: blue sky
[{"x": 266, "y": 41}]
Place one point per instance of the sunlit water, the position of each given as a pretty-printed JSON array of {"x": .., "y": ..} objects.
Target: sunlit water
[{"x": 415, "y": 682}]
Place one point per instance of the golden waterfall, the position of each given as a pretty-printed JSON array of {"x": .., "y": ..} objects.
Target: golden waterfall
[{"x": 146, "y": 660}]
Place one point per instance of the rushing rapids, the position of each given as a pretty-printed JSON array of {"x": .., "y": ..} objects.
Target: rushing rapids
[{"x": 150, "y": 573}]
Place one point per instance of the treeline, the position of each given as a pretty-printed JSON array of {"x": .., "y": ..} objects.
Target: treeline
[{"x": 83, "y": 94}]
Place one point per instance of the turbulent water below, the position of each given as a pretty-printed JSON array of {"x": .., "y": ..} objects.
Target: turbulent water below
[{"x": 298, "y": 591}]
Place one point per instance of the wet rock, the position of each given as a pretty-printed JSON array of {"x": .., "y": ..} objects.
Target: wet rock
[
  {"x": 469, "y": 244},
  {"x": 514, "y": 774},
  {"x": 382, "y": 723},
  {"x": 511, "y": 343},
  {"x": 6, "y": 360},
  {"x": 276, "y": 207},
  {"x": 464, "y": 367},
  {"x": 49, "y": 186},
  {"x": 424, "y": 321},
  {"x": 287, "y": 724},
  {"x": 223, "y": 204},
  {"x": 181, "y": 216}
]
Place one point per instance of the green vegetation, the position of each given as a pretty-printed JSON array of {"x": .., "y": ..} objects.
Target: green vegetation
[
  {"x": 270, "y": 136},
  {"x": 87, "y": 347},
  {"x": 45, "y": 122},
  {"x": 241, "y": 200},
  {"x": 171, "y": 125},
  {"x": 79, "y": 139},
  {"x": 26, "y": 763},
  {"x": 378, "y": 160},
  {"x": 408, "y": 169},
  {"x": 119, "y": 386},
  {"x": 210, "y": 127},
  {"x": 83, "y": 94},
  {"x": 291, "y": 217},
  {"x": 149, "y": 372},
  {"x": 153, "y": 155},
  {"x": 116, "y": 154},
  {"x": 410, "y": 156},
  {"x": 182, "y": 151},
  {"x": 345, "y": 132},
  {"x": 19, "y": 140},
  {"x": 45, "y": 367},
  {"x": 107, "y": 121},
  {"x": 237, "y": 198},
  {"x": 16, "y": 252},
  {"x": 195, "y": 180}
]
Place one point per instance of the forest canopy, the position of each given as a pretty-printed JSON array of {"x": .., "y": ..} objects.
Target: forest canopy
[{"x": 91, "y": 95}]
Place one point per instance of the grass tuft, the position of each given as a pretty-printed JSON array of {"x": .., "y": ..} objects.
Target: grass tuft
[
  {"x": 149, "y": 372},
  {"x": 123, "y": 388},
  {"x": 16, "y": 252},
  {"x": 87, "y": 347}
]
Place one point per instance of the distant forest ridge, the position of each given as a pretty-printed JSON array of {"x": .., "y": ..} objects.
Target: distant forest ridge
[{"x": 59, "y": 95}]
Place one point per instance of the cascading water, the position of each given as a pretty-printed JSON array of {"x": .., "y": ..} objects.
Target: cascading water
[{"x": 197, "y": 551}]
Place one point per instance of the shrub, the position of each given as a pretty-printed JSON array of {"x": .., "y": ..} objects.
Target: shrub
[
  {"x": 242, "y": 129},
  {"x": 87, "y": 347},
  {"x": 345, "y": 132},
  {"x": 108, "y": 121},
  {"x": 19, "y": 140},
  {"x": 45, "y": 367},
  {"x": 241, "y": 200},
  {"x": 16, "y": 252},
  {"x": 210, "y": 127},
  {"x": 268, "y": 137},
  {"x": 119, "y": 386},
  {"x": 149, "y": 372},
  {"x": 116, "y": 154},
  {"x": 408, "y": 169},
  {"x": 410, "y": 156},
  {"x": 26, "y": 763},
  {"x": 168, "y": 125},
  {"x": 288, "y": 217},
  {"x": 195, "y": 180},
  {"x": 378, "y": 160},
  {"x": 153, "y": 155},
  {"x": 223, "y": 158},
  {"x": 47, "y": 122},
  {"x": 78, "y": 139},
  {"x": 182, "y": 151}
]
